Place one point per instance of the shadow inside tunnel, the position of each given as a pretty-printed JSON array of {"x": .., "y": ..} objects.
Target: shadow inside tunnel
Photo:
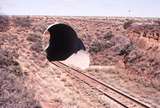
[{"x": 63, "y": 42}]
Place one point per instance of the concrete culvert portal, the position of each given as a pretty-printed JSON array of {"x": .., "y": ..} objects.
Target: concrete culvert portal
[{"x": 63, "y": 42}]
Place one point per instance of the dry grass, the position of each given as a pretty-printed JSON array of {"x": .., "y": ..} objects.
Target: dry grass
[{"x": 13, "y": 93}]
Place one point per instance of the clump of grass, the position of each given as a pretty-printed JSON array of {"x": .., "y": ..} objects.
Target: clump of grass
[
  {"x": 22, "y": 21},
  {"x": 127, "y": 24},
  {"x": 36, "y": 40},
  {"x": 96, "y": 46},
  {"x": 34, "y": 37},
  {"x": 7, "y": 61},
  {"x": 157, "y": 21},
  {"x": 108, "y": 35},
  {"x": 4, "y": 23},
  {"x": 99, "y": 45}
]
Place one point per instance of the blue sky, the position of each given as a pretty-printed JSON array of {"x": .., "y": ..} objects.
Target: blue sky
[{"x": 139, "y": 8}]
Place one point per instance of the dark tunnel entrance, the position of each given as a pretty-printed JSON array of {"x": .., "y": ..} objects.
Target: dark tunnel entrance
[{"x": 63, "y": 42}]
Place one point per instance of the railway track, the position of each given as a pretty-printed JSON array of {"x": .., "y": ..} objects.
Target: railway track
[{"x": 114, "y": 94}]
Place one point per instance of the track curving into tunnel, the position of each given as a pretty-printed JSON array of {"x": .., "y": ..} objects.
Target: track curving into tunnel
[{"x": 63, "y": 42}]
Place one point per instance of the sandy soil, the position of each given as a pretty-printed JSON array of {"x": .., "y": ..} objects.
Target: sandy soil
[
  {"x": 28, "y": 81},
  {"x": 54, "y": 88},
  {"x": 112, "y": 75}
]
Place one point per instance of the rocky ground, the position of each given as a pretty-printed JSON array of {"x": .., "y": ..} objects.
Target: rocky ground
[{"x": 28, "y": 80}]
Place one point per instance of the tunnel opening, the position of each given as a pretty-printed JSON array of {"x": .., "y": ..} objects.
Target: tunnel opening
[{"x": 62, "y": 42}]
